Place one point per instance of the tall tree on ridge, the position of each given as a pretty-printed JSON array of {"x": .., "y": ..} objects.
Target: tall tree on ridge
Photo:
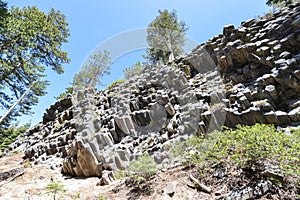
[
  {"x": 165, "y": 37},
  {"x": 91, "y": 74}
]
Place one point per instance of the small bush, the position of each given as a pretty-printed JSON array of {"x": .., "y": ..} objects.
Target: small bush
[
  {"x": 68, "y": 91},
  {"x": 140, "y": 169},
  {"x": 7, "y": 136},
  {"x": 143, "y": 167},
  {"x": 102, "y": 198},
  {"x": 121, "y": 174},
  {"x": 75, "y": 196},
  {"x": 55, "y": 188},
  {"x": 27, "y": 164},
  {"x": 115, "y": 83},
  {"x": 135, "y": 69},
  {"x": 248, "y": 146},
  {"x": 180, "y": 152}
]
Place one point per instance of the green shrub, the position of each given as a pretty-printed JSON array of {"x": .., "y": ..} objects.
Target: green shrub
[
  {"x": 181, "y": 152},
  {"x": 248, "y": 146},
  {"x": 121, "y": 174},
  {"x": 140, "y": 169},
  {"x": 27, "y": 164},
  {"x": 102, "y": 198},
  {"x": 135, "y": 69},
  {"x": 68, "y": 91},
  {"x": 143, "y": 167},
  {"x": 55, "y": 188},
  {"x": 7, "y": 136},
  {"x": 115, "y": 83},
  {"x": 75, "y": 196}
]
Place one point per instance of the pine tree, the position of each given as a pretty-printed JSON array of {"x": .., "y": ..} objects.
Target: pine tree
[
  {"x": 165, "y": 37},
  {"x": 30, "y": 43},
  {"x": 91, "y": 74},
  {"x": 135, "y": 69}
]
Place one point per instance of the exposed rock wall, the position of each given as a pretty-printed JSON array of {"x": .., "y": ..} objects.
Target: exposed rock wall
[
  {"x": 246, "y": 75},
  {"x": 48, "y": 142},
  {"x": 259, "y": 63}
]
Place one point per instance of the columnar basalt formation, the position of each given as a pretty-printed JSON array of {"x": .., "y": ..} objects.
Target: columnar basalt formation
[{"x": 247, "y": 75}]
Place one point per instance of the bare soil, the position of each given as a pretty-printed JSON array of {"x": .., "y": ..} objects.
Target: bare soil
[{"x": 172, "y": 184}]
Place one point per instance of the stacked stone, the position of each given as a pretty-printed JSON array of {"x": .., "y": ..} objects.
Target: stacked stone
[
  {"x": 259, "y": 64},
  {"x": 244, "y": 76},
  {"x": 136, "y": 117},
  {"x": 48, "y": 142}
]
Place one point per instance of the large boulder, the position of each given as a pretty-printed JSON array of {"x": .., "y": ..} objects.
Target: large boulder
[{"x": 81, "y": 162}]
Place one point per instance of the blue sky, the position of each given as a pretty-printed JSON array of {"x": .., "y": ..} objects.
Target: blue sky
[{"x": 92, "y": 22}]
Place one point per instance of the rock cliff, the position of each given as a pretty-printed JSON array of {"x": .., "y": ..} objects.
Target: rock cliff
[{"x": 247, "y": 75}]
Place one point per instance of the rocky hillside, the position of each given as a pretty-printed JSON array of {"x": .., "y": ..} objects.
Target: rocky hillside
[{"x": 247, "y": 75}]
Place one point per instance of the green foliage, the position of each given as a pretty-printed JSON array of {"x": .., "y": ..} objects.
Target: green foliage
[
  {"x": 30, "y": 42},
  {"x": 3, "y": 12},
  {"x": 165, "y": 37},
  {"x": 140, "y": 169},
  {"x": 135, "y": 69},
  {"x": 121, "y": 174},
  {"x": 248, "y": 146},
  {"x": 68, "y": 90},
  {"x": 55, "y": 188},
  {"x": 90, "y": 76},
  {"x": 115, "y": 83},
  {"x": 75, "y": 196},
  {"x": 7, "y": 136},
  {"x": 102, "y": 198},
  {"x": 91, "y": 73},
  {"x": 27, "y": 164},
  {"x": 15, "y": 152},
  {"x": 180, "y": 152}
]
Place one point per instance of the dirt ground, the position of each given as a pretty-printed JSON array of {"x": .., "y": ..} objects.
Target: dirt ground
[
  {"x": 172, "y": 184},
  {"x": 31, "y": 185}
]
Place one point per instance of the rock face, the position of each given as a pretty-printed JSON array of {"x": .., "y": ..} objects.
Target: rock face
[
  {"x": 259, "y": 64},
  {"x": 82, "y": 162},
  {"x": 247, "y": 75}
]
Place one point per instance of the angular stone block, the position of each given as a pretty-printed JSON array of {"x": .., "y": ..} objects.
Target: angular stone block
[{"x": 295, "y": 114}]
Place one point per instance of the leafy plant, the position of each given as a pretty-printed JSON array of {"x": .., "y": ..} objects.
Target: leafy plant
[
  {"x": 8, "y": 135},
  {"x": 140, "y": 169},
  {"x": 180, "y": 152},
  {"x": 248, "y": 146},
  {"x": 135, "y": 69},
  {"x": 115, "y": 83},
  {"x": 27, "y": 164},
  {"x": 276, "y": 2},
  {"x": 121, "y": 174},
  {"x": 102, "y": 198},
  {"x": 91, "y": 74},
  {"x": 55, "y": 188},
  {"x": 68, "y": 91},
  {"x": 143, "y": 167},
  {"x": 75, "y": 196}
]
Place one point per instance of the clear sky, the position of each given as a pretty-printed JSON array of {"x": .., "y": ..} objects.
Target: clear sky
[{"x": 92, "y": 22}]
